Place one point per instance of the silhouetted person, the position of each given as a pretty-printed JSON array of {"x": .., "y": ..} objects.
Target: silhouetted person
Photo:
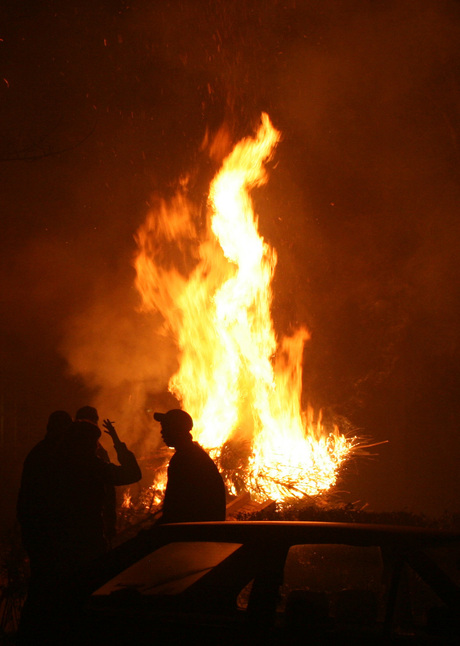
[
  {"x": 84, "y": 481},
  {"x": 195, "y": 490},
  {"x": 90, "y": 414},
  {"x": 37, "y": 510},
  {"x": 40, "y": 516}
]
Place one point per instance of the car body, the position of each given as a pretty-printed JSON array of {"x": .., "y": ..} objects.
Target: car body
[{"x": 275, "y": 582}]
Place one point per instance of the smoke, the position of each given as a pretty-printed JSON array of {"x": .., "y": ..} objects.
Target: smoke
[
  {"x": 124, "y": 358},
  {"x": 372, "y": 99}
]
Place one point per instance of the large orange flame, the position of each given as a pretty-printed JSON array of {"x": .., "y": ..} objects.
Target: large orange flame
[{"x": 213, "y": 287}]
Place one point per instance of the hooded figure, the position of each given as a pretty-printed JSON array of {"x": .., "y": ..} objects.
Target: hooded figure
[
  {"x": 84, "y": 482},
  {"x": 37, "y": 509}
]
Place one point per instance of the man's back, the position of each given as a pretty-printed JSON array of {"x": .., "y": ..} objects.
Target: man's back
[{"x": 195, "y": 489}]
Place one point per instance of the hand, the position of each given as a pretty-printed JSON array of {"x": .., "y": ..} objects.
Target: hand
[
  {"x": 110, "y": 430},
  {"x": 109, "y": 426}
]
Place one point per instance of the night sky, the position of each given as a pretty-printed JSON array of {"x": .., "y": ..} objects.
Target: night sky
[{"x": 105, "y": 105}]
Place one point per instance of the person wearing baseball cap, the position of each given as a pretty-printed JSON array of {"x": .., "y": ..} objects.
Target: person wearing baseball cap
[{"x": 195, "y": 490}]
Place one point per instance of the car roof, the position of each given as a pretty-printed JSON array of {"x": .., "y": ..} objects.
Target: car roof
[{"x": 308, "y": 532}]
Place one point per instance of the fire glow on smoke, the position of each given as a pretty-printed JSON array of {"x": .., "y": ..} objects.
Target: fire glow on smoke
[{"x": 242, "y": 386}]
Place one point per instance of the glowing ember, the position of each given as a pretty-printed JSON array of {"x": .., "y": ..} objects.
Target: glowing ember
[{"x": 242, "y": 388}]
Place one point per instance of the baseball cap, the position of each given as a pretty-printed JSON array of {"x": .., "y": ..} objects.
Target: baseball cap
[{"x": 177, "y": 418}]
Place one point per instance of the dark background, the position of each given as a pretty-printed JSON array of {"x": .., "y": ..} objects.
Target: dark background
[{"x": 103, "y": 105}]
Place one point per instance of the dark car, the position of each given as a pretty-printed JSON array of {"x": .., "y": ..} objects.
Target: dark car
[{"x": 276, "y": 583}]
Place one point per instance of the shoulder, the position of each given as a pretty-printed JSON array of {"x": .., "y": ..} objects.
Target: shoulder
[
  {"x": 38, "y": 456},
  {"x": 37, "y": 450},
  {"x": 192, "y": 451},
  {"x": 202, "y": 458},
  {"x": 200, "y": 451}
]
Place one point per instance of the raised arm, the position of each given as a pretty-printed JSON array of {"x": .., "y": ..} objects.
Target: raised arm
[{"x": 128, "y": 471}]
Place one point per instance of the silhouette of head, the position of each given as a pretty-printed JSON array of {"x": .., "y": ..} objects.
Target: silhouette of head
[
  {"x": 176, "y": 425},
  {"x": 83, "y": 437},
  {"x": 88, "y": 414},
  {"x": 58, "y": 423}
]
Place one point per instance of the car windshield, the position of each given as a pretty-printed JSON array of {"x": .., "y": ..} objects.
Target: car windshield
[{"x": 171, "y": 569}]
